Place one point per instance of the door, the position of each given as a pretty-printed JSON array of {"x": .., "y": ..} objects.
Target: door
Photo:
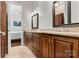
[{"x": 3, "y": 30}]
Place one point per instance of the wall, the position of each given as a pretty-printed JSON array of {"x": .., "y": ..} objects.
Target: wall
[
  {"x": 45, "y": 14},
  {"x": 44, "y": 9},
  {"x": 27, "y": 9},
  {"x": 75, "y": 12},
  {"x": 13, "y": 14}
]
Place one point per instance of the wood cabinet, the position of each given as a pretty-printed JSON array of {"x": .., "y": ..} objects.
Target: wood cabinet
[
  {"x": 32, "y": 40},
  {"x": 64, "y": 47},
  {"x": 54, "y": 46}
]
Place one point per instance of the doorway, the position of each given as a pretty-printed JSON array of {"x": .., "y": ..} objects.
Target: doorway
[{"x": 15, "y": 32}]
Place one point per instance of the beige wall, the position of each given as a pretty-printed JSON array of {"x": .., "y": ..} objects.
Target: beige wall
[{"x": 73, "y": 29}]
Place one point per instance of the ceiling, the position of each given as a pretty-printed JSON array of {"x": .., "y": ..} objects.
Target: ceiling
[
  {"x": 29, "y": 5},
  {"x": 26, "y": 2}
]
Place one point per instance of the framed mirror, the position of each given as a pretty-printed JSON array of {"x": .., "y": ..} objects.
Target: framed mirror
[
  {"x": 61, "y": 13},
  {"x": 65, "y": 13},
  {"x": 35, "y": 21}
]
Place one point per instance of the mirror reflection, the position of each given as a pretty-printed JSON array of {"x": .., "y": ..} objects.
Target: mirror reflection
[
  {"x": 59, "y": 13},
  {"x": 65, "y": 13}
]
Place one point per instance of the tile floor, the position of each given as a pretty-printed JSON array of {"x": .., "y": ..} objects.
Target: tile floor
[{"x": 20, "y": 52}]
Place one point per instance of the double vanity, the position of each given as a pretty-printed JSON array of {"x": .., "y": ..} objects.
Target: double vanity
[{"x": 52, "y": 44}]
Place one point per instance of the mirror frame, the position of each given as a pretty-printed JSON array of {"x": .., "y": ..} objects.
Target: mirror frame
[
  {"x": 68, "y": 15},
  {"x": 37, "y": 21}
]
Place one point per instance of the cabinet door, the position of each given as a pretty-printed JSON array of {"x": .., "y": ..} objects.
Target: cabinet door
[
  {"x": 63, "y": 47},
  {"x": 30, "y": 40},
  {"x": 26, "y": 38},
  {"x": 45, "y": 46}
]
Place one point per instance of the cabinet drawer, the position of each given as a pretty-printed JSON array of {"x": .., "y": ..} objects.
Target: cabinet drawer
[
  {"x": 37, "y": 46},
  {"x": 36, "y": 40},
  {"x": 37, "y": 53}
]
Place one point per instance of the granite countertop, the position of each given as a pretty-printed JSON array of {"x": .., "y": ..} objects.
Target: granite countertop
[{"x": 76, "y": 34}]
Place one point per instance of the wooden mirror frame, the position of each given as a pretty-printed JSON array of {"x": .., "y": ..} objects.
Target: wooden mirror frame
[{"x": 37, "y": 21}]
